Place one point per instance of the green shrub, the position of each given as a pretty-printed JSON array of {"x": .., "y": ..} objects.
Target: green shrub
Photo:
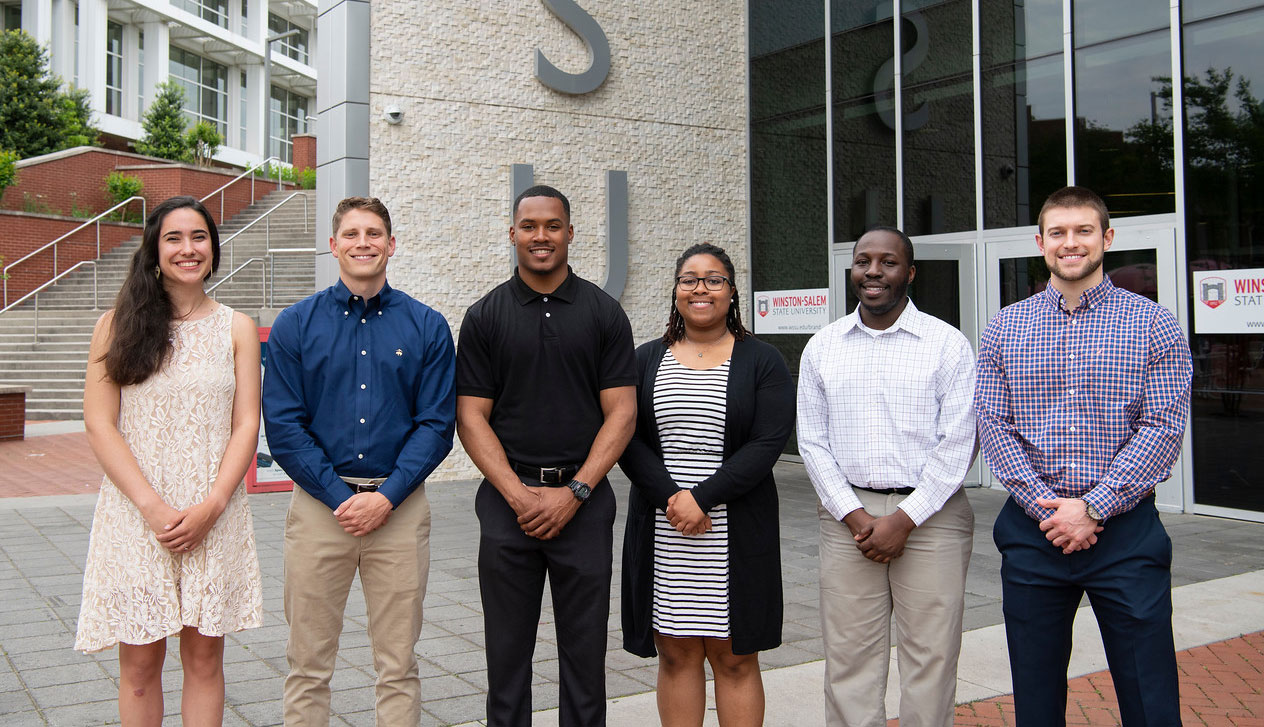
[
  {"x": 119, "y": 187},
  {"x": 8, "y": 170},
  {"x": 307, "y": 178},
  {"x": 203, "y": 141}
]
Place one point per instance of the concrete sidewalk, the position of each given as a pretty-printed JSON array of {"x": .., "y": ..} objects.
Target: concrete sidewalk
[{"x": 43, "y": 542}]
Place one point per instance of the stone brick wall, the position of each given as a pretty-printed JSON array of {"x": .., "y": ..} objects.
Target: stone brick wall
[{"x": 672, "y": 114}]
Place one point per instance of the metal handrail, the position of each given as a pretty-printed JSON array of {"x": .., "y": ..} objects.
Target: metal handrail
[
  {"x": 267, "y": 235},
  {"x": 263, "y": 285},
  {"x": 272, "y": 267},
  {"x": 97, "y": 220},
  {"x": 35, "y": 293},
  {"x": 251, "y": 171}
]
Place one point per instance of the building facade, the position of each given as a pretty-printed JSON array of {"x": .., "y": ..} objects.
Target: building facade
[
  {"x": 782, "y": 129},
  {"x": 119, "y": 50}
]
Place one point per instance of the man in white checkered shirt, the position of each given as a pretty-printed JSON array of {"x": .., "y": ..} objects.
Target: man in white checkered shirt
[{"x": 886, "y": 430}]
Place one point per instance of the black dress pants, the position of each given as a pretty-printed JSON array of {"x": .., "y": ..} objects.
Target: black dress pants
[
  {"x": 511, "y": 571},
  {"x": 1128, "y": 578}
]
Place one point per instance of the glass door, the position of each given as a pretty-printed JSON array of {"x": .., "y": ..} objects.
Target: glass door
[{"x": 1142, "y": 259}]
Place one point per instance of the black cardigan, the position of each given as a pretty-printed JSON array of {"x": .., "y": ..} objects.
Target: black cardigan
[{"x": 758, "y": 420}]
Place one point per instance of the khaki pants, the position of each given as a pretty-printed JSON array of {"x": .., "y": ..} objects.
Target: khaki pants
[
  {"x": 320, "y": 561},
  {"x": 924, "y": 588}
]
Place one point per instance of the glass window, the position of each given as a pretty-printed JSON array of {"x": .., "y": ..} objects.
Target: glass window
[
  {"x": 938, "y": 101},
  {"x": 114, "y": 68},
  {"x": 215, "y": 11},
  {"x": 863, "y": 69},
  {"x": 1095, "y": 21},
  {"x": 140, "y": 69},
  {"x": 296, "y": 45},
  {"x": 788, "y": 187},
  {"x": 11, "y": 19},
  {"x": 1123, "y": 124},
  {"x": 1224, "y": 188},
  {"x": 244, "y": 106},
  {"x": 205, "y": 85},
  {"x": 288, "y": 117},
  {"x": 1024, "y": 109},
  {"x": 245, "y": 19}
]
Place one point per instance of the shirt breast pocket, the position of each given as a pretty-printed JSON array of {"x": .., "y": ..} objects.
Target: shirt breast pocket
[{"x": 1119, "y": 376}]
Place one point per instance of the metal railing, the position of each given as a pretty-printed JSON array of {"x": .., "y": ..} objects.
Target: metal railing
[
  {"x": 267, "y": 289},
  {"x": 35, "y": 293},
  {"x": 263, "y": 279},
  {"x": 251, "y": 171},
  {"x": 267, "y": 234},
  {"x": 95, "y": 220}
]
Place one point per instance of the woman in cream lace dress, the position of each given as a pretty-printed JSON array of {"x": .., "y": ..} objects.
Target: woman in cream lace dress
[{"x": 171, "y": 406}]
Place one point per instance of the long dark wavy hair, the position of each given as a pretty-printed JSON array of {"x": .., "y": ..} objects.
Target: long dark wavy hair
[
  {"x": 733, "y": 321},
  {"x": 143, "y": 311}
]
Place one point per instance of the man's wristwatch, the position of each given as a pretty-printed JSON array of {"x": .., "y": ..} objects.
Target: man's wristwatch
[
  {"x": 1092, "y": 511},
  {"x": 580, "y": 490}
]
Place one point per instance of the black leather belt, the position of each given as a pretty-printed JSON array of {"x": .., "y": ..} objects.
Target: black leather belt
[
  {"x": 888, "y": 490},
  {"x": 546, "y": 475},
  {"x": 363, "y": 484}
]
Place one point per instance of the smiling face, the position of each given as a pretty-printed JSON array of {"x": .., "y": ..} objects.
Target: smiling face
[
  {"x": 1074, "y": 244},
  {"x": 362, "y": 246},
  {"x": 880, "y": 276},
  {"x": 541, "y": 233},
  {"x": 703, "y": 308},
  {"x": 185, "y": 252}
]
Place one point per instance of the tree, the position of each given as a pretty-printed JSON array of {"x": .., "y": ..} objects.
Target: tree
[
  {"x": 164, "y": 123},
  {"x": 36, "y": 115},
  {"x": 8, "y": 170},
  {"x": 202, "y": 142}
]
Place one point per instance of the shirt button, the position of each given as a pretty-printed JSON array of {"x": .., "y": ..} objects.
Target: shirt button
[
  {"x": 346, "y": 312},
  {"x": 1069, "y": 391},
  {"x": 362, "y": 421},
  {"x": 363, "y": 321},
  {"x": 546, "y": 299},
  {"x": 359, "y": 456},
  {"x": 365, "y": 353},
  {"x": 362, "y": 386},
  {"x": 548, "y": 315},
  {"x": 379, "y": 312},
  {"x": 1073, "y": 429},
  {"x": 355, "y": 297},
  {"x": 1072, "y": 465},
  {"x": 1072, "y": 356}
]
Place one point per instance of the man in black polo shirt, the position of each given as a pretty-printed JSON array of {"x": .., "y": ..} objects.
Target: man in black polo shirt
[{"x": 545, "y": 405}]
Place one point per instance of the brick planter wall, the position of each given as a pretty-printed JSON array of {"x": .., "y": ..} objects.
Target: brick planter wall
[{"x": 12, "y": 413}]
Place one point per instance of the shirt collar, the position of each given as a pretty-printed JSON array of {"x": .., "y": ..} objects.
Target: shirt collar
[
  {"x": 343, "y": 295},
  {"x": 525, "y": 293},
  {"x": 1091, "y": 297},
  {"x": 910, "y": 320}
]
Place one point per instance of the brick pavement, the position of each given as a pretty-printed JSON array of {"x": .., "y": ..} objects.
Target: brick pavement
[
  {"x": 1222, "y": 685},
  {"x": 57, "y": 464}
]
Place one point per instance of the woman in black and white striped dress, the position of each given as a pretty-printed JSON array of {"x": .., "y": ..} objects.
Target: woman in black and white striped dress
[{"x": 701, "y": 559}]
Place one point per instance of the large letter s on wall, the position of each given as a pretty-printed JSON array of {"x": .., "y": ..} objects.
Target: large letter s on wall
[{"x": 598, "y": 48}]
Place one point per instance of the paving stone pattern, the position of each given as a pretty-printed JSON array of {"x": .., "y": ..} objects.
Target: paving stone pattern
[{"x": 44, "y": 682}]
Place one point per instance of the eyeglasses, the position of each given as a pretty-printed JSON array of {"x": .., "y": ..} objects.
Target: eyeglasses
[{"x": 713, "y": 282}]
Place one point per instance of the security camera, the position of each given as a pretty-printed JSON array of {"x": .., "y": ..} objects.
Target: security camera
[{"x": 393, "y": 115}]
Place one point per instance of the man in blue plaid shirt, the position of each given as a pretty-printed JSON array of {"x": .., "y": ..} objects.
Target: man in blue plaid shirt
[{"x": 1082, "y": 396}]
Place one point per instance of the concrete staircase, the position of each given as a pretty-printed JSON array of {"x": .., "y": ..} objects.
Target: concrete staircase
[{"x": 52, "y": 364}]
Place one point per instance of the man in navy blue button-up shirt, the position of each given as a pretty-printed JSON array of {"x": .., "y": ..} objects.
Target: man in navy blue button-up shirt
[{"x": 359, "y": 405}]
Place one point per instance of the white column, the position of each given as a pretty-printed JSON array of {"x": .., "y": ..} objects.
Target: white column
[
  {"x": 37, "y": 20},
  {"x": 256, "y": 102},
  {"x": 132, "y": 82},
  {"x": 157, "y": 59},
  {"x": 92, "y": 20},
  {"x": 61, "y": 41}
]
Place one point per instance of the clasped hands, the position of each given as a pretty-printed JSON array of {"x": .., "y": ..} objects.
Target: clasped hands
[
  {"x": 544, "y": 511},
  {"x": 684, "y": 514},
  {"x": 880, "y": 539},
  {"x": 1069, "y": 527},
  {"x": 363, "y": 512},
  {"x": 183, "y": 530}
]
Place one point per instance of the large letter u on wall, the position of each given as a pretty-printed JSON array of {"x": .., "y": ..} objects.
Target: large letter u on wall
[
  {"x": 522, "y": 176},
  {"x": 598, "y": 49}
]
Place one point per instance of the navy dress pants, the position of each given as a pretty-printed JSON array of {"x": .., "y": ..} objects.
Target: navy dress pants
[
  {"x": 1128, "y": 578},
  {"x": 511, "y": 571}
]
